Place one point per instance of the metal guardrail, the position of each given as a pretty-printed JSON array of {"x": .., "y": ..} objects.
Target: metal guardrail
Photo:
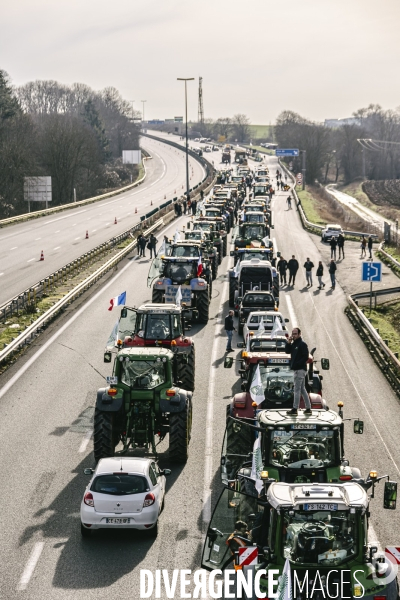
[
  {"x": 388, "y": 257},
  {"x": 61, "y": 207},
  {"x": 26, "y": 336}
]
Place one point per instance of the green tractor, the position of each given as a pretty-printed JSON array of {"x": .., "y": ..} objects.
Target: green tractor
[
  {"x": 141, "y": 404},
  {"x": 207, "y": 246}
]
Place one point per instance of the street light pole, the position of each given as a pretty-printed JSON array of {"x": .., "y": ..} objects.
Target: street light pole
[
  {"x": 143, "y": 101},
  {"x": 187, "y": 143}
]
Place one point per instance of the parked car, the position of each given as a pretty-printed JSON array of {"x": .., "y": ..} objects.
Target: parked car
[
  {"x": 330, "y": 231},
  {"x": 268, "y": 318}
]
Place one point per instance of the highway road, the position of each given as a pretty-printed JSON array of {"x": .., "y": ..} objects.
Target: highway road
[
  {"x": 46, "y": 408},
  {"x": 62, "y": 236}
]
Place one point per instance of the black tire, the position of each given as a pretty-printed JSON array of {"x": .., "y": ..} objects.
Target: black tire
[
  {"x": 240, "y": 329},
  {"x": 225, "y": 245},
  {"x": 157, "y": 296},
  {"x": 86, "y": 533},
  {"x": 104, "y": 437},
  {"x": 214, "y": 266},
  {"x": 180, "y": 425},
  {"x": 219, "y": 252},
  {"x": 233, "y": 286},
  {"x": 203, "y": 306},
  {"x": 153, "y": 532},
  {"x": 210, "y": 288},
  {"x": 186, "y": 371}
]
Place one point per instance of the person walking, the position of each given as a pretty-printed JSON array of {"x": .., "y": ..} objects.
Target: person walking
[
  {"x": 340, "y": 245},
  {"x": 289, "y": 202},
  {"x": 332, "y": 273},
  {"x": 142, "y": 241},
  {"x": 320, "y": 272},
  {"x": 369, "y": 243},
  {"x": 298, "y": 351},
  {"x": 308, "y": 265},
  {"x": 333, "y": 244},
  {"x": 151, "y": 244},
  {"x": 229, "y": 328},
  {"x": 184, "y": 203},
  {"x": 282, "y": 267},
  {"x": 293, "y": 266},
  {"x": 363, "y": 246},
  {"x": 194, "y": 207}
]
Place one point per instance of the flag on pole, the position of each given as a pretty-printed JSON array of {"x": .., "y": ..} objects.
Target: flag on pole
[
  {"x": 277, "y": 328},
  {"x": 261, "y": 329},
  {"x": 256, "y": 387},
  {"x": 112, "y": 340},
  {"x": 118, "y": 300},
  {"x": 285, "y": 583},
  {"x": 199, "y": 267},
  {"x": 162, "y": 249},
  {"x": 177, "y": 236},
  {"x": 178, "y": 297},
  {"x": 256, "y": 465},
  {"x": 266, "y": 241},
  {"x": 236, "y": 269}
]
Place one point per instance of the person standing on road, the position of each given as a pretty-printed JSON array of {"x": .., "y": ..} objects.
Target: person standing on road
[
  {"x": 363, "y": 246},
  {"x": 229, "y": 328},
  {"x": 293, "y": 266},
  {"x": 298, "y": 351},
  {"x": 282, "y": 268},
  {"x": 320, "y": 272},
  {"x": 194, "y": 207},
  {"x": 308, "y": 265},
  {"x": 333, "y": 244},
  {"x": 332, "y": 273},
  {"x": 370, "y": 242},
  {"x": 152, "y": 243},
  {"x": 142, "y": 241},
  {"x": 289, "y": 202},
  {"x": 340, "y": 244}
]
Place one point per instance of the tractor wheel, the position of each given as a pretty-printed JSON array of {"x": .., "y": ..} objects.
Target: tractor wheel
[
  {"x": 240, "y": 329},
  {"x": 225, "y": 245},
  {"x": 214, "y": 266},
  {"x": 186, "y": 371},
  {"x": 104, "y": 437},
  {"x": 209, "y": 283},
  {"x": 233, "y": 286},
  {"x": 220, "y": 253},
  {"x": 203, "y": 305},
  {"x": 157, "y": 296},
  {"x": 180, "y": 425}
]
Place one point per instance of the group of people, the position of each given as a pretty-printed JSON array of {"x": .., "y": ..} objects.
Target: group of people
[
  {"x": 150, "y": 243},
  {"x": 283, "y": 266},
  {"x": 366, "y": 243},
  {"x": 185, "y": 205},
  {"x": 337, "y": 243}
]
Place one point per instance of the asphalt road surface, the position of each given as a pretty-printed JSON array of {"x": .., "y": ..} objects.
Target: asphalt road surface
[
  {"x": 46, "y": 408},
  {"x": 62, "y": 236}
]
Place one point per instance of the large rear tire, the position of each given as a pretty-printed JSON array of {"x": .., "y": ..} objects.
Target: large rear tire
[
  {"x": 186, "y": 371},
  {"x": 203, "y": 306},
  {"x": 157, "y": 296},
  {"x": 214, "y": 266},
  {"x": 104, "y": 436},
  {"x": 220, "y": 253},
  {"x": 180, "y": 425},
  {"x": 233, "y": 286},
  {"x": 225, "y": 245}
]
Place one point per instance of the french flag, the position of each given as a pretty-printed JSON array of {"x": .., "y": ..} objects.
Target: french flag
[
  {"x": 199, "y": 267},
  {"x": 118, "y": 300}
]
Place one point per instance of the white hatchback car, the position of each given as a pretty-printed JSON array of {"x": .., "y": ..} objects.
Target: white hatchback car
[
  {"x": 123, "y": 493},
  {"x": 268, "y": 317}
]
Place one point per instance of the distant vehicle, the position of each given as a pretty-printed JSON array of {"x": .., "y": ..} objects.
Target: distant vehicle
[
  {"x": 331, "y": 231},
  {"x": 208, "y": 149},
  {"x": 196, "y": 139},
  {"x": 215, "y": 147},
  {"x": 123, "y": 493}
]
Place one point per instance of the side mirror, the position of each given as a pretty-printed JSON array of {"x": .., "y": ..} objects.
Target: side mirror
[
  {"x": 325, "y": 364},
  {"x": 278, "y": 254},
  {"x": 358, "y": 426},
  {"x": 232, "y": 253},
  {"x": 228, "y": 362},
  {"x": 267, "y": 553},
  {"x": 88, "y": 471},
  {"x": 166, "y": 472},
  {"x": 286, "y": 320},
  {"x": 240, "y": 345},
  {"x": 124, "y": 313},
  {"x": 243, "y": 386},
  {"x": 188, "y": 326},
  {"x": 107, "y": 357},
  {"x": 272, "y": 226},
  {"x": 390, "y": 495}
]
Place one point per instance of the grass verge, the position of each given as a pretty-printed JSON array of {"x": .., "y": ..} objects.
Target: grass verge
[
  {"x": 311, "y": 205},
  {"x": 386, "y": 318}
]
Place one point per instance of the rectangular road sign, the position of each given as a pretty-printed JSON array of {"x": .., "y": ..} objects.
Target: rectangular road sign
[
  {"x": 287, "y": 152},
  {"x": 371, "y": 271}
]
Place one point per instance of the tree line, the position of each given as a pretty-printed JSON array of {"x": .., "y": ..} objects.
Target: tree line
[{"x": 71, "y": 133}]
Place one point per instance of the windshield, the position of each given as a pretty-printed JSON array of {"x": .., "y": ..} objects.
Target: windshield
[
  {"x": 141, "y": 374},
  {"x": 260, "y": 345},
  {"x": 248, "y": 255},
  {"x": 254, "y": 232},
  {"x": 213, "y": 213},
  {"x": 203, "y": 225},
  {"x": 120, "y": 485},
  {"x": 268, "y": 320},
  {"x": 307, "y": 448},
  {"x": 260, "y": 190},
  {"x": 180, "y": 272},
  {"x": 258, "y": 300},
  {"x": 324, "y": 537},
  {"x": 277, "y": 382},
  {"x": 158, "y": 326},
  {"x": 253, "y": 207},
  {"x": 253, "y": 217},
  {"x": 179, "y": 251}
]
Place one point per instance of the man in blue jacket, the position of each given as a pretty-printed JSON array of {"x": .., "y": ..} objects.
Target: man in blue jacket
[{"x": 298, "y": 351}]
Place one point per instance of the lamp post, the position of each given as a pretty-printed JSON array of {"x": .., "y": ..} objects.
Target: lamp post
[
  {"x": 186, "y": 119},
  {"x": 143, "y": 101}
]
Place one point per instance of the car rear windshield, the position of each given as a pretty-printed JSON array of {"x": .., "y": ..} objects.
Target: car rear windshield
[
  {"x": 258, "y": 299},
  {"x": 120, "y": 485}
]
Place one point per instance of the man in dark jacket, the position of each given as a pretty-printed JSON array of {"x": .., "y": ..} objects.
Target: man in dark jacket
[
  {"x": 298, "y": 351},
  {"x": 142, "y": 245},
  {"x": 333, "y": 244},
  {"x": 370, "y": 242},
  {"x": 332, "y": 273},
  {"x": 282, "y": 268},
  {"x": 152, "y": 245},
  {"x": 340, "y": 244},
  {"x": 293, "y": 266},
  {"x": 229, "y": 328},
  {"x": 308, "y": 265}
]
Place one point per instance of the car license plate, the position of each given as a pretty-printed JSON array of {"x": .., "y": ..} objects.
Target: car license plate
[
  {"x": 324, "y": 506},
  {"x": 118, "y": 520},
  {"x": 304, "y": 426}
]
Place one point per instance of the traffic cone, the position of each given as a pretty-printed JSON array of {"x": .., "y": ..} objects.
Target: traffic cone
[
  {"x": 165, "y": 196},
  {"x": 151, "y": 203},
  {"x": 87, "y": 234},
  {"x": 42, "y": 255},
  {"x": 115, "y": 221}
]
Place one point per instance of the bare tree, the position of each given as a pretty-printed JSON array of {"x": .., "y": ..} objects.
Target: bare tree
[{"x": 240, "y": 127}]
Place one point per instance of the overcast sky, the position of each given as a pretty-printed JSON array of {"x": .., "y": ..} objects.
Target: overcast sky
[{"x": 320, "y": 58}]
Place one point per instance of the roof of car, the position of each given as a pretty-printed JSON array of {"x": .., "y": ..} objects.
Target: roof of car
[
  {"x": 162, "y": 308},
  {"x": 123, "y": 463}
]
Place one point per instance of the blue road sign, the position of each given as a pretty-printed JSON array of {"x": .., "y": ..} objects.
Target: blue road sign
[
  {"x": 287, "y": 152},
  {"x": 371, "y": 271}
]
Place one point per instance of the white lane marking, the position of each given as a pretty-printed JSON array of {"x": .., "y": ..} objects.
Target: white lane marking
[
  {"x": 37, "y": 239},
  {"x": 66, "y": 217},
  {"x": 78, "y": 238},
  {"x": 107, "y": 224},
  {"x": 1, "y": 274},
  {"x": 208, "y": 450},
  {"x": 275, "y": 246},
  {"x": 74, "y": 224},
  {"x": 292, "y": 314},
  {"x": 15, "y": 248},
  {"x": 58, "y": 231},
  {"x": 94, "y": 230},
  {"x": 53, "y": 338},
  {"x": 30, "y": 566},
  {"x": 85, "y": 441},
  {"x": 57, "y": 248},
  {"x": 30, "y": 260}
]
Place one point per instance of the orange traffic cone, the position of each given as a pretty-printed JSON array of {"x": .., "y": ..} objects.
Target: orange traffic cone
[
  {"x": 87, "y": 234},
  {"x": 115, "y": 221},
  {"x": 42, "y": 255}
]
